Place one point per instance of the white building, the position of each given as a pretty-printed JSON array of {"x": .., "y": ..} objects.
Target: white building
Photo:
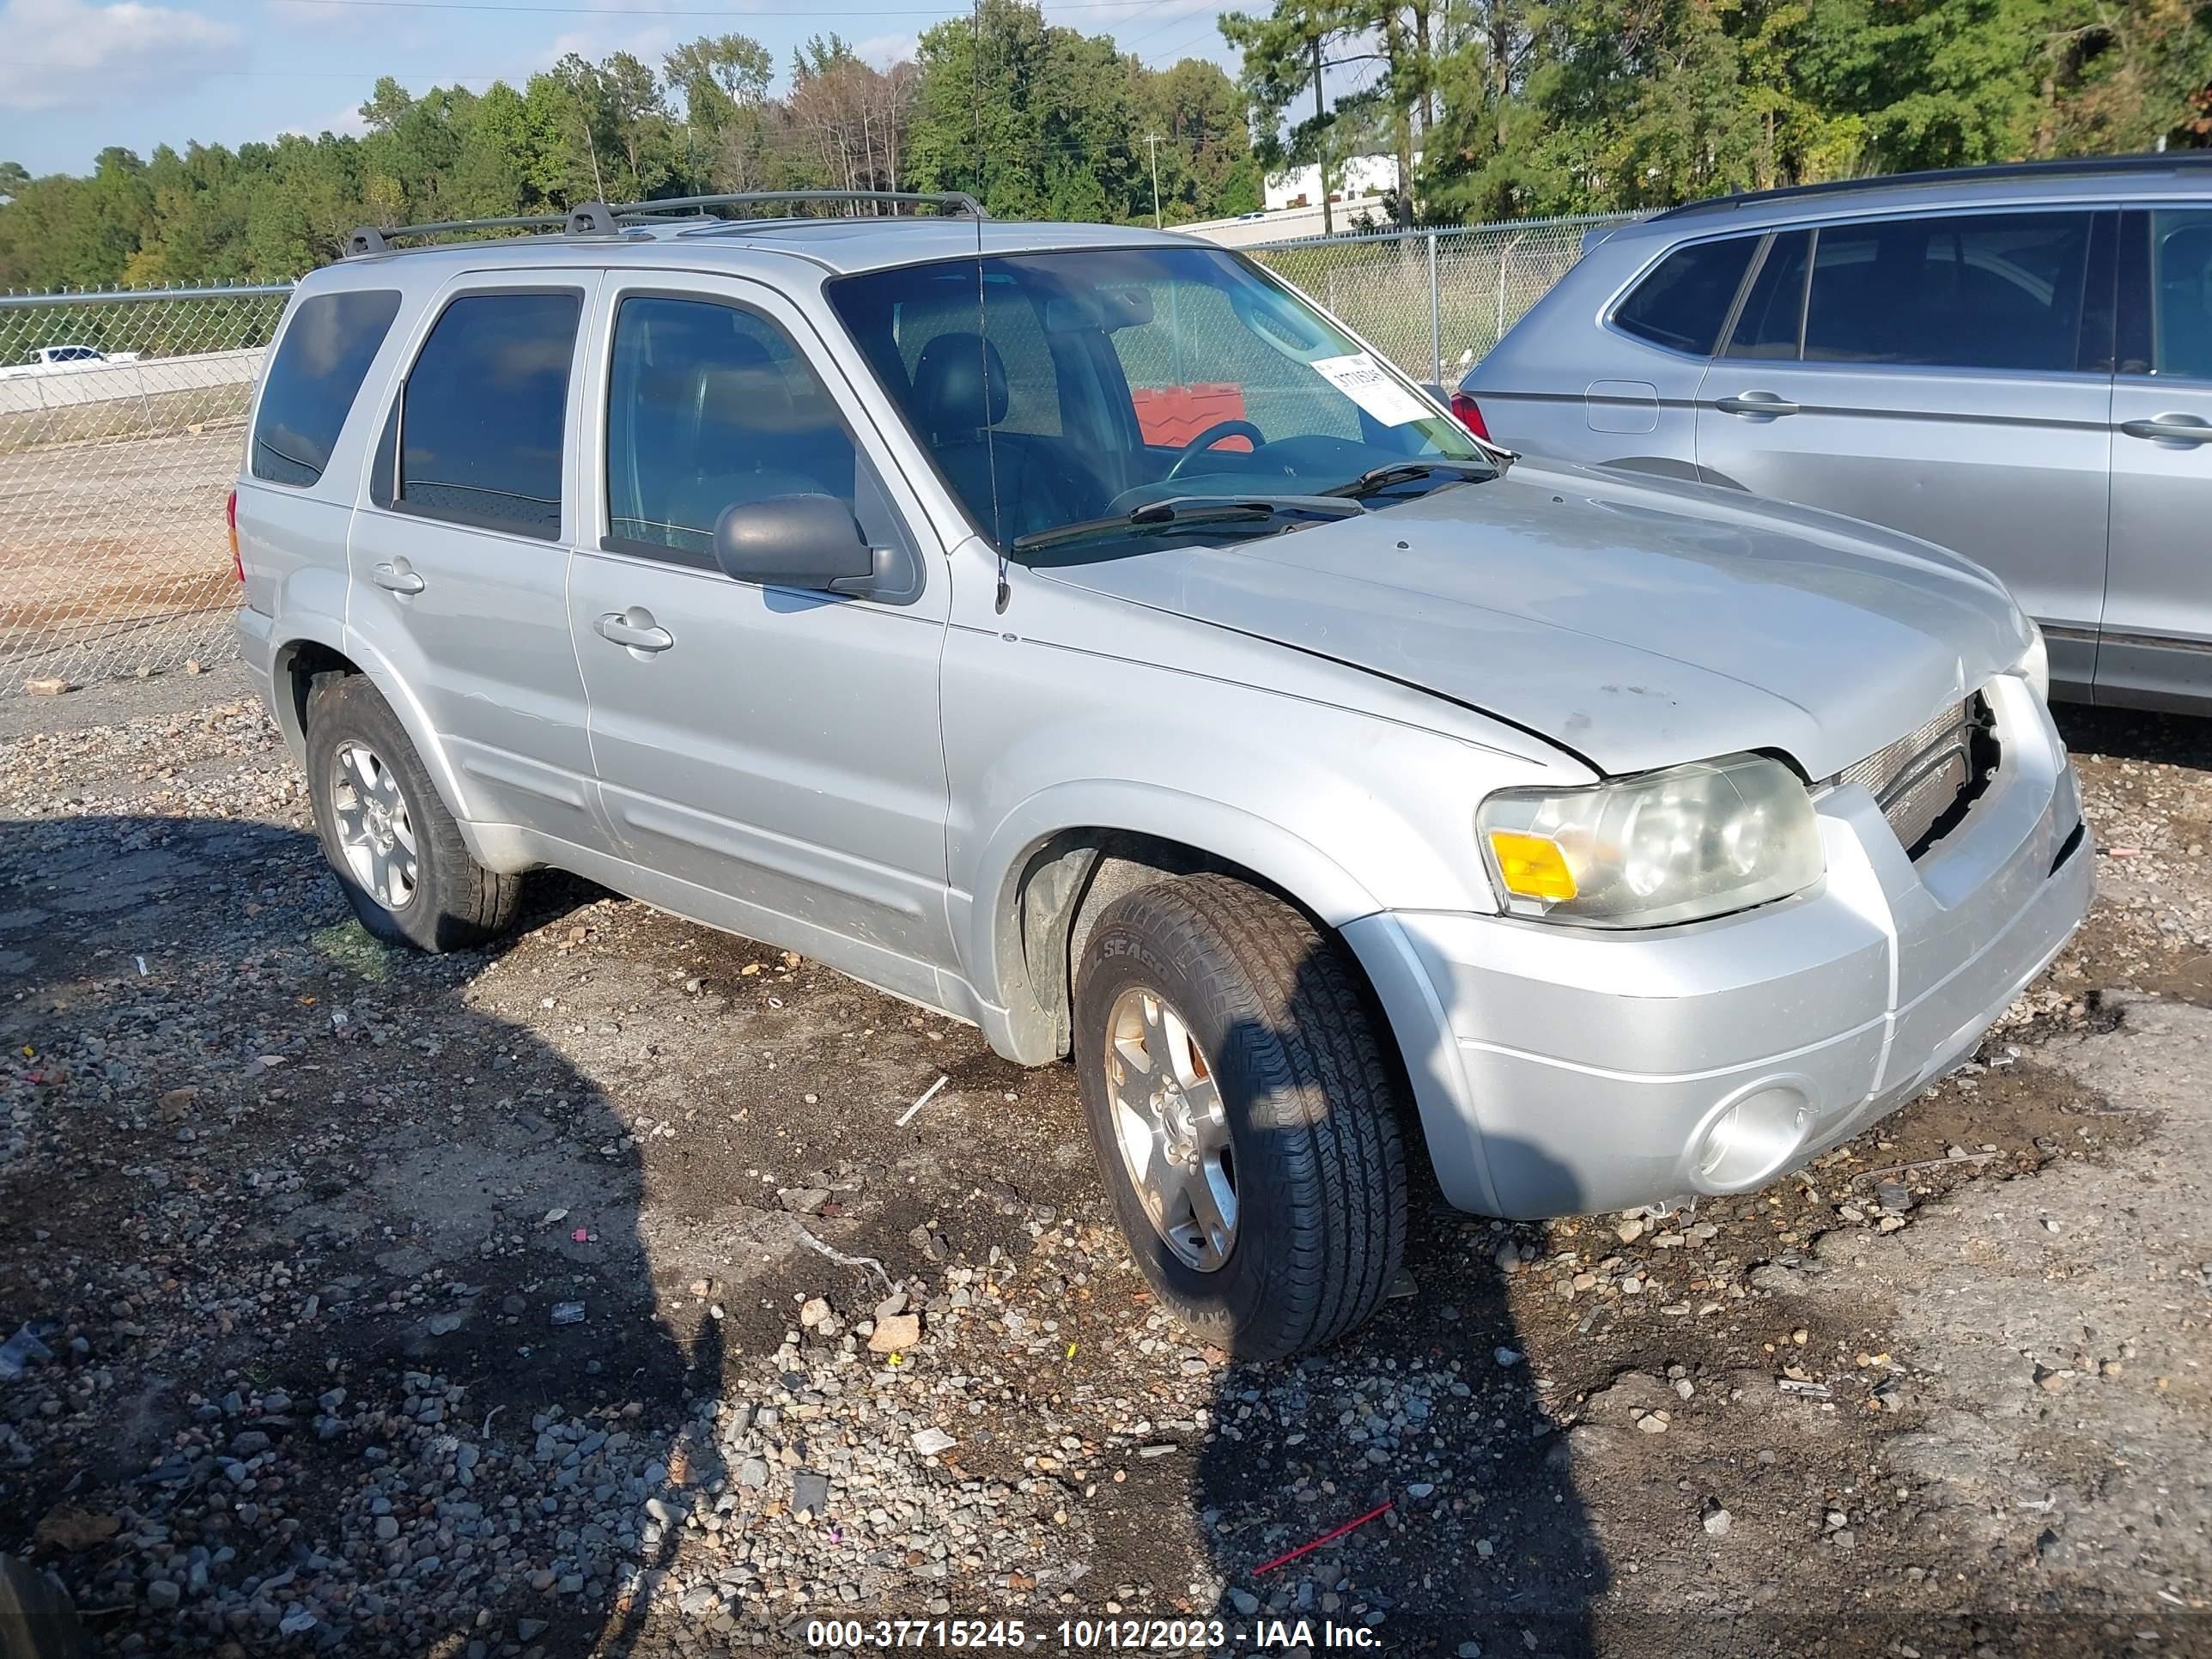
[{"x": 1354, "y": 177}]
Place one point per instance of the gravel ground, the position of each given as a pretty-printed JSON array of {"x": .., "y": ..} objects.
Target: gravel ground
[{"x": 582, "y": 1297}]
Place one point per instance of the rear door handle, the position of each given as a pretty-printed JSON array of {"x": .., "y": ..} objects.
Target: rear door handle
[
  {"x": 2171, "y": 429},
  {"x": 1755, "y": 403},
  {"x": 397, "y": 575},
  {"x": 635, "y": 629}
]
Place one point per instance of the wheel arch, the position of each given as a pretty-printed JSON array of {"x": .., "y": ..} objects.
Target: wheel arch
[
  {"x": 1055, "y": 876},
  {"x": 299, "y": 662}
]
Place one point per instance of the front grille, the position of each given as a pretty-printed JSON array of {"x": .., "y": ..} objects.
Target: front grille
[{"x": 1925, "y": 780}]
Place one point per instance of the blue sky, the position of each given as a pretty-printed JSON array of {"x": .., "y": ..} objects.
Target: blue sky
[{"x": 77, "y": 75}]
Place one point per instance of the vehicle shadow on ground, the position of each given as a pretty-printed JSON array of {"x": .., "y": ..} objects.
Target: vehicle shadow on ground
[
  {"x": 2135, "y": 734},
  {"x": 353, "y": 1331},
  {"x": 1433, "y": 1410}
]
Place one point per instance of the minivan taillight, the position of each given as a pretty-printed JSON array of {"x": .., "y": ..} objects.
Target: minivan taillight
[
  {"x": 230, "y": 513},
  {"x": 1470, "y": 416}
]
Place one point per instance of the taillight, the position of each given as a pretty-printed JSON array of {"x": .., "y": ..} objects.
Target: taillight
[
  {"x": 230, "y": 513},
  {"x": 1470, "y": 416}
]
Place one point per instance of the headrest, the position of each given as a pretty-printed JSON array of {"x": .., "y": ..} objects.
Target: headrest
[
  {"x": 960, "y": 384},
  {"x": 2187, "y": 253}
]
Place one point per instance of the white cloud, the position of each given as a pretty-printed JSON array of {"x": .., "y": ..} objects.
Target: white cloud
[
  {"x": 882, "y": 51},
  {"x": 345, "y": 123},
  {"x": 64, "y": 53},
  {"x": 598, "y": 42}
]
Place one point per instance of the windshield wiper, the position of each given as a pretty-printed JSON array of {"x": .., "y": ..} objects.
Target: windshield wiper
[
  {"x": 1382, "y": 477},
  {"x": 1195, "y": 510}
]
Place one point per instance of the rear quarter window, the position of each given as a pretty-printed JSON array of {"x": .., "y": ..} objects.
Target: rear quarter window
[
  {"x": 313, "y": 379},
  {"x": 1682, "y": 303}
]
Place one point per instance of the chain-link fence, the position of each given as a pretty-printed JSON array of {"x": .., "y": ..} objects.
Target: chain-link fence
[
  {"x": 1435, "y": 300},
  {"x": 121, "y": 423}
]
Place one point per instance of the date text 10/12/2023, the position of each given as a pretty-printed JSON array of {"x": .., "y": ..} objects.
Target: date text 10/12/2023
[{"x": 1089, "y": 1635}]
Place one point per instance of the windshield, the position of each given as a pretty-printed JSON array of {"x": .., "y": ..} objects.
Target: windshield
[{"x": 1056, "y": 389}]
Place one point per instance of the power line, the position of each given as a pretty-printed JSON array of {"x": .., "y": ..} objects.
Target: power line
[
  {"x": 1185, "y": 49},
  {"x": 1208, "y": 14}
]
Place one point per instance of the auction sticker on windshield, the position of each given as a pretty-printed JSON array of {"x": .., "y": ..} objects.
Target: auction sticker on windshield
[{"x": 1361, "y": 379}]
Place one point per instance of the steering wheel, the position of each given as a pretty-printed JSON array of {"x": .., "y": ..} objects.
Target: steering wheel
[{"x": 1212, "y": 435}]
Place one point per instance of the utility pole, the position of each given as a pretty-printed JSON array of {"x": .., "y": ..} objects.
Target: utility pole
[
  {"x": 1320, "y": 134},
  {"x": 1154, "y": 139}
]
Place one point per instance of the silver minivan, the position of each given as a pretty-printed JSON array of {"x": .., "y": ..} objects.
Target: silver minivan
[
  {"x": 1072, "y": 629},
  {"x": 2013, "y": 363}
]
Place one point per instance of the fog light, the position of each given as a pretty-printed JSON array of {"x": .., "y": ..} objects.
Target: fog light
[{"x": 1751, "y": 1137}]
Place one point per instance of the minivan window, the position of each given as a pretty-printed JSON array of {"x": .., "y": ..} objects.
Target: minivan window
[
  {"x": 2181, "y": 295},
  {"x": 708, "y": 407},
  {"x": 1996, "y": 290},
  {"x": 1768, "y": 323},
  {"x": 483, "y": 415},
  {"x": 317, "y": 371},
  {"x": 1683, "y": 303}
]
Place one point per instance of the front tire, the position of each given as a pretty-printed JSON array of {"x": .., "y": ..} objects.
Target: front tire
[
  {"x": 1244, "y": 1113},
  {"x": 397, "y": 851}
]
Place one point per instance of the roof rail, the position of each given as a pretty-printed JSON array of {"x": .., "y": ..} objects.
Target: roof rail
[
  {"x": 377, "y": 238},
  {"x": 956, "y": 201},
  {"x": 2084, "y": 166},
  {"x": 599, "y": 219}
]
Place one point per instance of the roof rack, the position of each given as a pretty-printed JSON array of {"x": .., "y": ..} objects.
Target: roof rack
[
  {"x": 2085, "y": 167},
  {"x": 601, "y": 219},
  {"x": 377, "y": 238},
  {"x": 956, "y": 201}
]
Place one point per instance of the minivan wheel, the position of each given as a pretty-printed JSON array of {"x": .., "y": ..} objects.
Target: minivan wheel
[
  {"x": 397, "y": 852},
  {"x": 1242, "y": 1112}
]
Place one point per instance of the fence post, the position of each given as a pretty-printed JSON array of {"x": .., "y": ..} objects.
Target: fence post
[
  {"x": 1505, "y": 259},
  {"x": 1436, "y": 318}
]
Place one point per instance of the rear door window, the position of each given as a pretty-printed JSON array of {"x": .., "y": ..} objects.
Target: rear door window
[
  {"x": 1767, "y": 326},
  {"x": 485, "y": 410},
  {"x": 2181, "y": 293},
  {"x": 1683, "y": 303},
  {"x": 1996, "y": 290},
  {"x": 314, "y": 380}
]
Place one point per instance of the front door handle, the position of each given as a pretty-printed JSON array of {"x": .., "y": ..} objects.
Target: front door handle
[
  {"x": 1755, "y": 403},
  {"x": 635, "y": 629},
  {"x": 397, "y": 575},
  {"x": 2171, "y": 429}
]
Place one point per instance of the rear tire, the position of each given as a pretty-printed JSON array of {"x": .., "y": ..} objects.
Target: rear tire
[
  {"x": 1244, "y": 1113},
  {"x": 397, "y": 851}
]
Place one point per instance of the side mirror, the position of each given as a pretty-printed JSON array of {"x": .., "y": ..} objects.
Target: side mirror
[{"x": 795, "y": 540}]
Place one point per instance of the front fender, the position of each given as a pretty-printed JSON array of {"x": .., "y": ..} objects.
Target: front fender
[
  {"x": 1233, "y": 747},
  {"x": 989, "y": 935}
]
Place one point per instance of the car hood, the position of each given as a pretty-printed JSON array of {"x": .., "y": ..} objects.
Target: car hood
[{"x": 1635, "y": 623}]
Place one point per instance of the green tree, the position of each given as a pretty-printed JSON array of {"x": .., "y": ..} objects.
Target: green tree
[
  {"x": 1286, "y": 55},
  {"x": 1207, "y": 170}
]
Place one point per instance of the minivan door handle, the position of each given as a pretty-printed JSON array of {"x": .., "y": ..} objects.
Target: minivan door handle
[
  {"x": 1755, "y": 403},
  {"x": 397, "y": 575},
  {"x": 2171, "y": 429},
  {"x": 635, "y": 629}
]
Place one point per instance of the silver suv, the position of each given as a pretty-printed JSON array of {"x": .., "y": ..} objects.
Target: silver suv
[
  {"x": 2011, "y": 362},
  {"x": 1074, "y": 630}
]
